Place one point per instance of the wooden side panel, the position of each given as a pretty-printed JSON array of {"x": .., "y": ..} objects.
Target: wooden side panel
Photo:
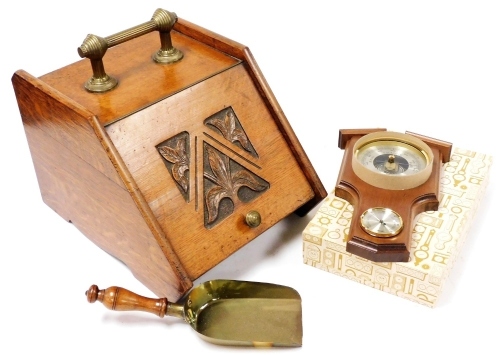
[
  {"x": 45, "y": 109},
  {"x": 78, "y": 180}
]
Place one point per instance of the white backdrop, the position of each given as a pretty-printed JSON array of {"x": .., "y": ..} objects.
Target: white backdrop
[{"x": 430, "y": 67}]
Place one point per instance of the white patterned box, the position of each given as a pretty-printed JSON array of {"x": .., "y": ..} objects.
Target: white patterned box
[{"x": 436, "y": 240}]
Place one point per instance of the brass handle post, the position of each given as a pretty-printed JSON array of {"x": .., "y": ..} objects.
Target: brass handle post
[{"x": 94, "y": 48}]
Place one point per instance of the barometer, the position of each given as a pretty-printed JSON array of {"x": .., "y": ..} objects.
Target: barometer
[{"x": 389, "y": 178}]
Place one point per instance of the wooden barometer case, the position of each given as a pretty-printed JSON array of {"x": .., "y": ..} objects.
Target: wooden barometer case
[
  {"x": 170, "y": 155},
  {"x": 389, "y": 178}
]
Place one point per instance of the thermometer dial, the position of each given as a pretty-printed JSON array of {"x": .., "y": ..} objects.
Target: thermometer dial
[{"x": 381, "y": 222}]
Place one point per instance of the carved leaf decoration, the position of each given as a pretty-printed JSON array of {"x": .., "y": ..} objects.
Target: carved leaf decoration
[
  {"x": 214, "y": 196},
  {"x": 178, "y": 157},
  {"x": 227, "y": 183},
  {"x": 230, "y": 132},
  {"x": 220, "y": 168},
  {"x": 244, "y": 178}
]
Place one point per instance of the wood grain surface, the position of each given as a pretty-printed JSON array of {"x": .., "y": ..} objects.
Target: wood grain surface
[
  {"x": 98, "y": 166},
  {"x": 79, "y": 181}
]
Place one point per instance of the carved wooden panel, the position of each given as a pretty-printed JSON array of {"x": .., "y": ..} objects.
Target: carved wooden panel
[
  {"x": 227, "y": 124},
  {"x": 176, "y": 157},
  {"x": 205, "y": 158},
  {"x": 226, "y": 184}
]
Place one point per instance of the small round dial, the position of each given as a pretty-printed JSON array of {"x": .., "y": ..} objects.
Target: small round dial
[
  {"x": 392, "y": 160},
  {"x": 381, "y": 222}
]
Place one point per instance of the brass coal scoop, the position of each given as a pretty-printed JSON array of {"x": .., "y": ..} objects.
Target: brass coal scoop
[{"x": 223, "y": 312}]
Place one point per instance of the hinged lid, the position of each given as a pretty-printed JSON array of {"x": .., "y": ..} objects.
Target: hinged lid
[{"x": 200, "y": 145}]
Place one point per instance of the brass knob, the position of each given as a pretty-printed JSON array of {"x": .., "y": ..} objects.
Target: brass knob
[{"x": 253, "y": 219}]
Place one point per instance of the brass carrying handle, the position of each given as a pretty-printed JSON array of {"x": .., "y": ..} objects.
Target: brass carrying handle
[{"x": 94, "y": 48}]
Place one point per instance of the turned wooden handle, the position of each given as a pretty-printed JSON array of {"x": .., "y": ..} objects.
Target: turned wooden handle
[{"x": 120, "y": 299}]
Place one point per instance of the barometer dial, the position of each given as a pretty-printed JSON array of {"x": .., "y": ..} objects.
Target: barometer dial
[{"x": 392, "y": 160}]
